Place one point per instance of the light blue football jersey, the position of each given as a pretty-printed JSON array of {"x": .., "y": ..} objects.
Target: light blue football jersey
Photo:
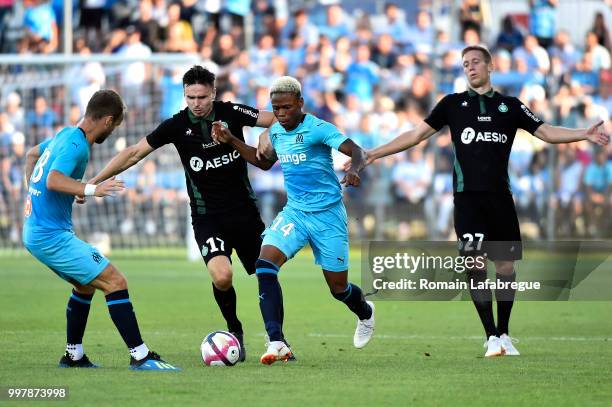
[
  {"x": 68, "y": 153},
  {"x": 306, "y": 161}
]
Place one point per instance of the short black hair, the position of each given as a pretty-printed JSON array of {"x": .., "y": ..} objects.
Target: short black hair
[
  {"x": 103, "y": 103},
  {"x": 198, "y": 75},
  {"x": 485, "y": 52}
]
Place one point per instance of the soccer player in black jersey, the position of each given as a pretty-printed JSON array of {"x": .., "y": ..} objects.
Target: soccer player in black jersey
[
  {"x": 223, "y": 210},
  {"x": 483, "y": 124}
]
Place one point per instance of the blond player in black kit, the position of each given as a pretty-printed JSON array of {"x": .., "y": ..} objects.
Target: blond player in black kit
[{"x": 483, "y": 124}]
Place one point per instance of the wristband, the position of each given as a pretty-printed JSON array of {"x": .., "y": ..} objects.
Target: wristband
[{"x": 90, "y": 190}]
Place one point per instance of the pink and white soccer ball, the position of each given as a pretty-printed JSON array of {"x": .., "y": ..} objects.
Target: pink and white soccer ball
[{"x": 220, "y": 348}]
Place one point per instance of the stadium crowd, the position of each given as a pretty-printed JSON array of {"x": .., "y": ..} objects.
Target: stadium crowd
[{"x": 372, "y": 75}]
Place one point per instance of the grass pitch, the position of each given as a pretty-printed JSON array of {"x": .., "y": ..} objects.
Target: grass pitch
[{"x": 423, "y": 353}]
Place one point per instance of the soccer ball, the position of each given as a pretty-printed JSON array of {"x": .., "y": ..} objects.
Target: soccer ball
[{"x": 220, "y": 348}]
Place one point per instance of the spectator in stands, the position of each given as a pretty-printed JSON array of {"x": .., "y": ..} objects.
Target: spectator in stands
[
  {"x": 14, "y": 111},
  {"x": 337, "y": 23},
  {"x": 87, "y": 78},
  {"x": 564, "y": 50},
  {"x": 421, "y": 34},
  {"x": 134, "y": 76},
  {"x": 75, "y": 115},
  {"x": 384, "y": 54},
  {"x": 598, "y": 188},
  {"x": 604, "y": 97},
  {"x": 302, "y": 27},
  {"x": 568, "y": 197},
  {"x": 151, "y": 31},
  {"x": 262, "y": 54},
  {"x": 471, "y": 15},
  {"x": 160, "y": 12},
  {"x": 12, "y": 183},
  {"x": 180, "y": 39},
  {"x": 599, "y": 54},
  {"x": 470, "y": 37},
  {"x": 41, "y": 32},
  {"x": 225, "y": 50},
  {"x": 179, "y": 32},
  {"x": 584, "y": 78},
  {"x": 242, "y": 78},
  {"x": 362, "y": 76},
  {"x": 532, "y": 53},
  {"x": 509, "y": 37},
  {"x": 7, "y": 130},
  {"x": 294, "y": 53},
  {"x": 394, "y": 24},
  {"x": 40, "y": 121},
  {"x": 362, "y": 34},
  {"x": 449, "y": 72},
  {"x": 504, "y": 78},
  {"x": 543, "y": 21},
  {"x": 264, "y": 21},
  {"x": 439, "y": 204},
  {"x": 412, "y": 177},
  {"x": 145, "y": 197},
  {"x": 5, "y": 9},
  {"x": 601, "y": 30},
  {"x": 238, "y": 9},
  {"x": 92, "y": 12},
  {"x": 400, "y": 78}
]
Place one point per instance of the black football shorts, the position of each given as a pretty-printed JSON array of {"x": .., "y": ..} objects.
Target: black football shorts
[
  {"x": 486, "y": 222},
  {"x": 219, "y": 235}
]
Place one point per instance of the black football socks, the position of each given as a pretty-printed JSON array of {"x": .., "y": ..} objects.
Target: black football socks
[
  {"x": 122, "y": 314},
  {"x": 505, "y": 301},
  {"x": 270, "y": 298},
  {"x": 77, "y": 312},
  {"x": 226, "y": 300},
  {"x": 483, "y": 301},
  {"x": 354, "y": 300}
]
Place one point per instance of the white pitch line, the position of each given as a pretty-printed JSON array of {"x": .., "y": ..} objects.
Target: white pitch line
[{"x": 462, "y": 338}]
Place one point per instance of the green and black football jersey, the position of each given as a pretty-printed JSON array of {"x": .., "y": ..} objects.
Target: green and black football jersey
[
  {"x": 216, "y": 174},
  {"x": 482, "y": 130}
]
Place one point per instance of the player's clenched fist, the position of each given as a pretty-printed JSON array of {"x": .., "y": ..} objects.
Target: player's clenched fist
[
  {"x": 220, "y": 133},
  {"x": 351, "y": 178}
]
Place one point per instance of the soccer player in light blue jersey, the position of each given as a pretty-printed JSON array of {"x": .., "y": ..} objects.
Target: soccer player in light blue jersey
[
  {"x": 54, "y": 169},
  {"x": 314, "y": 213}
]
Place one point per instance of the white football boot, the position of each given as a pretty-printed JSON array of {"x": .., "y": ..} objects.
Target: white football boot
[
  {"x": 365, "y": 329},
  {"x": 508, "y": 346},
  {"x": 277, "y": 350},
  {"x": 494, "y": 347}
]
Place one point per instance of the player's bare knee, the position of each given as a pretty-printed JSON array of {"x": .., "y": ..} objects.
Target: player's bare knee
[
  {"x": 117, "y": 281},
  {"x": 84, "y": 289},
  {"x": 337, "y": 287},
  {"x": 504, "y": 267},
  {"x": 223, "y": 279}
]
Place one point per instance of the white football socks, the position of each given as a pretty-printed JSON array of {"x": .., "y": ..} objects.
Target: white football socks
[
  {"x": 139, "y": 352},
  {"x": 75, "y": 350}
]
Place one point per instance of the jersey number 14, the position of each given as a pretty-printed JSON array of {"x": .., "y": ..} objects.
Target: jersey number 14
[{"x": 286, "y": 229}]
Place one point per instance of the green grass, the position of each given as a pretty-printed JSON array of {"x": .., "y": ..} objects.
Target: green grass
[{"x": 424, "y": 353}]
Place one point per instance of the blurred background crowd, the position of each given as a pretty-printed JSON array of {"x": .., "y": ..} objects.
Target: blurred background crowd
[{"x": 373, "y": 68}]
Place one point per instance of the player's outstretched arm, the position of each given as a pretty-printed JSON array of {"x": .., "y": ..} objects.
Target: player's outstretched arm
[
  {"x": 358, "y": 161},
  {"x": 125, "y": 159},
  {"x": 222, "y": 134},
  {"x": 402, "y": 142},
  {"x": 265, "y": 119},
  {"x": 58, "y": 182},
  {"x": 556, "y": 135},
  {"x": 32, "y": 157}
]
